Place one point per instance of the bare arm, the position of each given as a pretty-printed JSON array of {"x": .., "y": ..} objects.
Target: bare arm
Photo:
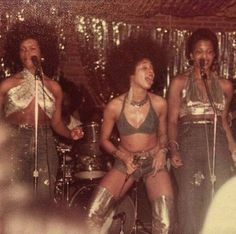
[
  {"x": 4, "y": 87},
  {"x": 110, "y": 115},
  {"x": 174, "y": 101},
  {"x": 109, "y": 118},
  {"x": 56, "y": 121},
  {"x": 2, "y": 95},
  {"x": 228, "y": 91},
  {"x": 162, "y": 131},
  {"x": 159, "y": 161}
]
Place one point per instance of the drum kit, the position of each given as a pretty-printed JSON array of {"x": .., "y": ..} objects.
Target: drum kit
[{"x": 81, "y": 167}]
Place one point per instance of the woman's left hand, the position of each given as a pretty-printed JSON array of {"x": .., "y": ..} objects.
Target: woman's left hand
[
  {"x": 159, "y": 161},
  {"x": 233, "y": 155},
  {"x": 77, "y": 133},
  {"x": 232, "y": 149}
]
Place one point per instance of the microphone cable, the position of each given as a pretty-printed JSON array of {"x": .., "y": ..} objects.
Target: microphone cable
[{"x": 123, "y": 184}]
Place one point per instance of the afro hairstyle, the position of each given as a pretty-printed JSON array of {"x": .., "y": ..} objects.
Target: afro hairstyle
[
  {"x": 123, "y": 59},
  {"x": 44, "y": 33}
]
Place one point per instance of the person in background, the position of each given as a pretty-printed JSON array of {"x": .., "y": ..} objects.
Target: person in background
[
  {"x": 140, "y": 117},
  {"x": 232, "y": 111},
  {"x": 200, "y": 153},
  {"x": 72, "y": 99},
  {"x": 31, "y": 51}
]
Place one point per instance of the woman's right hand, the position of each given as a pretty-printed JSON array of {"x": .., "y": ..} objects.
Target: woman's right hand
[
  {"x": 176, "y": 160},
  {"x": 128, "y": 160}
]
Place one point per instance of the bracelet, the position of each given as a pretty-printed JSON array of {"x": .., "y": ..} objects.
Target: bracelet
[
  {"x": 175, "y": 143},
  {"x": 164, "y": 150},
  {"x": 114, "y": 153}
]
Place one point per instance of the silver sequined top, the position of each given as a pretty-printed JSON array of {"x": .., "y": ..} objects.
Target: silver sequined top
[
  {"x": 193, "y": 102},
  {"x": 19, "y": 97}
]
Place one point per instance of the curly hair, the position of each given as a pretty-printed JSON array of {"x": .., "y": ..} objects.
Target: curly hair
[
  {"x": 198, "y": 35},
  {"x": 44, "y": 33},
  {"x": 123, "y": 59}
]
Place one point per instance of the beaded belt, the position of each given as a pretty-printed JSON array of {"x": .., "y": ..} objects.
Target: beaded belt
[
  {"x": 141, "y": 156},
  {"x": 28, "y": 126},
  {"x": 193, "y": 120},
  {"x": 25, "y": 126},
  {"x": 198, "y": 122}
]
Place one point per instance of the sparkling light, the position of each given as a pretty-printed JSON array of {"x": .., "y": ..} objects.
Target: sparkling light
[{"x": 97, "y": 37}]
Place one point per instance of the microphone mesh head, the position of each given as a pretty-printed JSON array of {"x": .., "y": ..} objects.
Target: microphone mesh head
[{"x": 202, "y": 62}]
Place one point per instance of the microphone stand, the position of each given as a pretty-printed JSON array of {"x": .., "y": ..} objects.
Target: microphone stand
[
  {"x": 38, "y": 76},
  {"x": 212, "y": 173}
]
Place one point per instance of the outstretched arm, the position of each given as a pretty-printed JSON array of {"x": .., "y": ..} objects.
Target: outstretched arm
[{"x": 56, "y": 122}]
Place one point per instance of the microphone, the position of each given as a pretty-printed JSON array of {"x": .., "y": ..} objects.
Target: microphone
[
  {"x": 202, "y": 67},
  {"x": 35, "y": 61},
  {"x": 120, "y": 215},
  {"x": 37, "y": 64}
]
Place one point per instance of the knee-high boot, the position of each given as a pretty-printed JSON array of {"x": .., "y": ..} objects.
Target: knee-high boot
[
  {"x": 101, "y": 204},
  {"x": 162, "y": 215}
]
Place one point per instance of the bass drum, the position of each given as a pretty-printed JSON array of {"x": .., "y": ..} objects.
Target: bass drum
[{"x": 113, "y": 224}]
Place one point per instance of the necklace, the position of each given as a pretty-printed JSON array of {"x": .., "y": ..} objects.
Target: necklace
[{"x": 140, "y": 103}]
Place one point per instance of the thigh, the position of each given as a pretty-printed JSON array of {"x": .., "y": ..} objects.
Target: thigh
[
  {"x": 116, "y": 182},
  {"x": 159, "y": 185}
]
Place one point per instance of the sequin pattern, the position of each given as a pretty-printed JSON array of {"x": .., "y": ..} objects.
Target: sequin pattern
[{"x": 19, "y": 97}]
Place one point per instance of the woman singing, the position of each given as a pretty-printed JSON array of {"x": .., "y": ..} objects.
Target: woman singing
[
  {"x": 200, "y": 140},
  {"x": 31, "y": 52},
  {"x": 140, "y": 117}
]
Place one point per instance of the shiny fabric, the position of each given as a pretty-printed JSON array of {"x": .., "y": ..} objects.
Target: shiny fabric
[
  {"x": 193, "y": 102},
  {"x": 149, "y": 126},
  {"x": 143, "y": 159},
  {"x": 194, "y": 177},
  {"x": 100, "y": 206},
  {"x": 19, "y": 97},
  {"x": 162, "y": 215},
  {"x": 19, "y": 151}
]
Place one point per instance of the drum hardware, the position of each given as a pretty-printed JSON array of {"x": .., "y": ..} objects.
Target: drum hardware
[
  {"x": 64, "y": 150},
  {"x": 122, "y": 215},
  {"x": 138, "y": 223},
  {"x": 91, "y": 132},
  {"x": 66, "y": 174},
  {"x": 63, "y": 185}
]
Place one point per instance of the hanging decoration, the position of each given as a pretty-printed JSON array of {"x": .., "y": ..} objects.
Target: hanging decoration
[{"x": 98, "y": 36}]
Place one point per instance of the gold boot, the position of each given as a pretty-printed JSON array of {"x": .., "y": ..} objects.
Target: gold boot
[
  {"x": 100, "y": 206},
  {"x": 162, "y": 215}
]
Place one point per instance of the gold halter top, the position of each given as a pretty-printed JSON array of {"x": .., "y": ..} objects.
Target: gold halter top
[{"x": 193, "y": 102}]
